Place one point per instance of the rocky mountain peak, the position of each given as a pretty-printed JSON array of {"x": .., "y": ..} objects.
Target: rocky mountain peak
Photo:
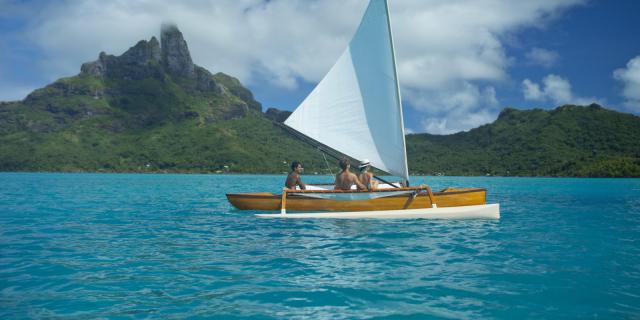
[
  {"x": 140, "y": 55},
  {"x": 277, "y": 115},
  {"x": 143, "y": 52},
  {"x": 146, "y": 69},
  {"x": 175, "y": 54},
  {"x": 96, "y": 68}
]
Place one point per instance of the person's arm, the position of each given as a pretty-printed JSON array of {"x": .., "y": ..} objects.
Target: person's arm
[
  {"x": 358, "y": 184},
  {"x": 287, "y": 182},
  {"x": 374, "y": 182},
  {"x": 363, "y": 179},
  {"x": 371, "y": 183},
  {"x": 301, "y": 184}
]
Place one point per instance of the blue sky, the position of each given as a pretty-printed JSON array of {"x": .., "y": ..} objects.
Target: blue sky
[{"x": 460, "y": 62}]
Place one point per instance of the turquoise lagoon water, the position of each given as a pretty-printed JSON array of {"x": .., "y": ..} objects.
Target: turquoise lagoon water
[{"x": 170, "y": 246}]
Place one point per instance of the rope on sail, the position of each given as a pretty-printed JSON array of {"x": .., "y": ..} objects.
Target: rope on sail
[{"x": 326, "y": 162}]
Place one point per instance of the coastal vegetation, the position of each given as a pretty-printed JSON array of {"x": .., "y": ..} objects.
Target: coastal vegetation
[{"x": 568, "y": 141}]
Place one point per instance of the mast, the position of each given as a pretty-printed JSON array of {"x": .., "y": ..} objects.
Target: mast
[{"x": 395, "y": 71}]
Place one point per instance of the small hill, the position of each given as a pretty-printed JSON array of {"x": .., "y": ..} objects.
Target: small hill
[{"x": 568, "y": 141}]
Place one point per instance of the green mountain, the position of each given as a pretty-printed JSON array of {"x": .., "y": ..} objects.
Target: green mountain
[
  {"x": 149, "y": 109},
  {"x": 152, "y": 109},
  {"x": 568, "y": 141}
]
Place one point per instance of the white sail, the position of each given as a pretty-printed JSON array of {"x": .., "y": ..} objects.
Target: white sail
[{"x": 356, "y": 108}]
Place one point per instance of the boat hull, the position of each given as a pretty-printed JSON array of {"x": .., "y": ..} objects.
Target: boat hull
[
  {"x": 299, "y": 202},
  {"x": 484, "y": 211}
]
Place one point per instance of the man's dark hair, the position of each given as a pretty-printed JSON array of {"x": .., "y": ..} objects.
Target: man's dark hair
[
  {"x": 295, "y": 164},
  {"x": 344, "y": 163}
]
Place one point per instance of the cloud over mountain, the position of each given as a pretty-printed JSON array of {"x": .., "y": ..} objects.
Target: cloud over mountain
[
  {"x": 555, "y": 89},
  {"x": 630, "y": 78}
]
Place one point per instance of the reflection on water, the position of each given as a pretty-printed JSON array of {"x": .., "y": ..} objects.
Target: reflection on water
[{"x": 94, "y": 245}]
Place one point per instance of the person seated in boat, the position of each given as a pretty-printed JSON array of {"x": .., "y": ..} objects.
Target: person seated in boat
[
  {"x": 293, "y": 179},
  {"x": 366, "y": 177},
  {"x": 345, "y": 179}
]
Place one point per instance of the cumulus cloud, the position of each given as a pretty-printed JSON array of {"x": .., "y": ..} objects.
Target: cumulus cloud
[
  {"x": 532, "y": 90},
  {"x": 554, "y": 89},
  {"x": 282, "y": 42},
  {"x": 630, "y": 78},
  {"x": 452, "y": 47},
  {"x": 456, "y": 122},
  {"x": 542, "y": 57},
  {"x": 455, "y": 109},
  {"x": 450, "y": 57}
]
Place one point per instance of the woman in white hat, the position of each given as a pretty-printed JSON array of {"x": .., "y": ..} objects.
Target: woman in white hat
[{"x": 365, "y": 176}]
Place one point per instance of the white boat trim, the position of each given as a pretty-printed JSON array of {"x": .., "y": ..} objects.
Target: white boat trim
[{"x": 485, "y": 211}]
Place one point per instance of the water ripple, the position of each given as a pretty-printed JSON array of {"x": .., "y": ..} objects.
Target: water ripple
[{"x": 170, "y": 246}]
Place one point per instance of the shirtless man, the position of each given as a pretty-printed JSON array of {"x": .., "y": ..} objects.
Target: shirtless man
[
  {"x": 345, "y": 179},
  {"x": 365, "y": 176},
  {"x": 293, "y": 179}
]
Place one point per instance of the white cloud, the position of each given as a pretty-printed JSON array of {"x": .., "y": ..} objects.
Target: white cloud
[
  {"x": 630, "y": 78},
  {"x": 532, "y": 90},
  {"x": 455, "y": 122},
  {"x": 458, "y": 108},
  {"x": 555, "y": 89},
  {"x": 282, "y": 41},
  {"x": 443, "y": 47},
  {"x": 437, "y": 42},
  {"x": 542, "y": 57}
]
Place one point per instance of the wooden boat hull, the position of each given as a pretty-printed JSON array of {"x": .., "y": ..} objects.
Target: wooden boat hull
[{"x": 298, "y": 202}]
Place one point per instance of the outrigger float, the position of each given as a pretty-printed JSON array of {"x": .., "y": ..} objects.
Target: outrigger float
[{"x": 356, "y": 110}]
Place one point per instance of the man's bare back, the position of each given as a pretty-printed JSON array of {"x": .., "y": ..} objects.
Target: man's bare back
[{"x": 345, "y": 180}]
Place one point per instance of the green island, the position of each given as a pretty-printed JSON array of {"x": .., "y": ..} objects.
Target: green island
[{"x": 152, "y": 109}]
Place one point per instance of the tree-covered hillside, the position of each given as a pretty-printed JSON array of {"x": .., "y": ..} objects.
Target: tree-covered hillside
[{"x": 567, "y": 141}]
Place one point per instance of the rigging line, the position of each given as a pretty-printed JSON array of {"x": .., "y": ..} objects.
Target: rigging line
[
  {"x": 326, "y": 162},
  {"x": 307, "y": 140},
  {"x": 385, "y": 181}
]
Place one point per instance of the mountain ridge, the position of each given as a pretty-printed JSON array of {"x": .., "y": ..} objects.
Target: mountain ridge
[{"x": 569, "y": 140}]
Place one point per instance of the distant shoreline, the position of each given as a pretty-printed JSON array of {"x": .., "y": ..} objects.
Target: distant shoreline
[{"x": 282, "y": 174}]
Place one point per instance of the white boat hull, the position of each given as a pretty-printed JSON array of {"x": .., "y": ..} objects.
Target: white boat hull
[{"x": 485, "y": 211}]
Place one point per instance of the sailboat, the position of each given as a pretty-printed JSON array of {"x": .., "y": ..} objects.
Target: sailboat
[{"x": 356, "y": 110}]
